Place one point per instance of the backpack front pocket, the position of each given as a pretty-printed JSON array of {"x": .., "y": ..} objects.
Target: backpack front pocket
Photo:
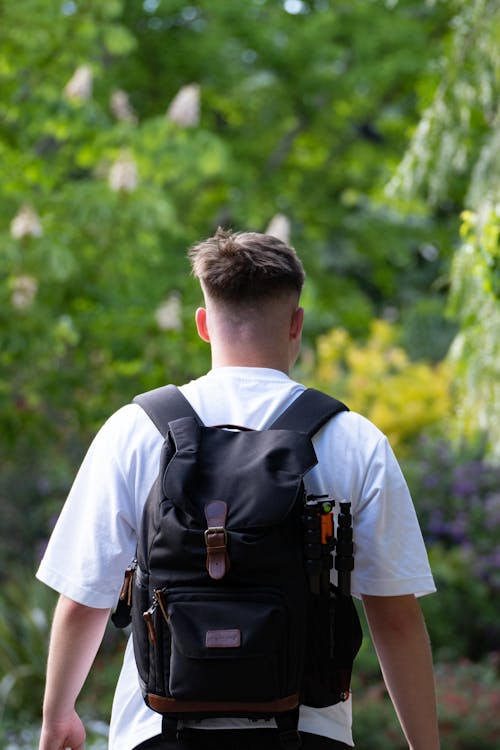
[{"x": 229, "y": 648}]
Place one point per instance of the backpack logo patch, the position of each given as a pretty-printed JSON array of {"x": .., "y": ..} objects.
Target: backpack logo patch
[{"x": 223, "y": 638}]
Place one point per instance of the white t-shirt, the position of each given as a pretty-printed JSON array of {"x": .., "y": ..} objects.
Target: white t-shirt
[{"x": 95, "y": 536}]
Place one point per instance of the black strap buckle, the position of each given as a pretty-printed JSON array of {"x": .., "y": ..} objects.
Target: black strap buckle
[
  {"x": 290, "y": 740},
  {"x": 169, "y": 730}
]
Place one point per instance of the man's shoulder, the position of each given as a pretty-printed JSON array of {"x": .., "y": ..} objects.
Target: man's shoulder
[
  {"x": 352, "y": 433},
  {"x": 125, "y": 429}
]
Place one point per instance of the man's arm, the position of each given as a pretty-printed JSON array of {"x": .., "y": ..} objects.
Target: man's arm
[
  {"x": 402, "y": 644},
  {"x": 76, "y": 635}
]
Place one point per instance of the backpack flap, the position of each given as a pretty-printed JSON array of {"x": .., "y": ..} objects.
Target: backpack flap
[
  {"x": 253, "y": 462},
  {"x": 181, "y": 475}
]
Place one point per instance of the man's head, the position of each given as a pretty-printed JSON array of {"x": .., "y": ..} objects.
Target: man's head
[
  {"x": 252, "y": 284},
  {"x": 246, "y": 267}
]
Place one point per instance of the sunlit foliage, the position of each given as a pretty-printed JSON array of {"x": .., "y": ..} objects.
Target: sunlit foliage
[
  {"x": 378, "y": 380},
  {"x": 453, "y": 161}
]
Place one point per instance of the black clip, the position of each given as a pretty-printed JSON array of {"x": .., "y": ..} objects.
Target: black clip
[{"x": 290, "y": 740}]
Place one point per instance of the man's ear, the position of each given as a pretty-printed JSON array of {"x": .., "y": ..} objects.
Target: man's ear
[
  {"x": 201, "y": 324},
  {"x": 297, "y": 323}
]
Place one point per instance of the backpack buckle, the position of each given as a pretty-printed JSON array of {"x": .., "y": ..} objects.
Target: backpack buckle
[
  {"x": 212, "y": 531},
  {"x": 216, "y": 539}
]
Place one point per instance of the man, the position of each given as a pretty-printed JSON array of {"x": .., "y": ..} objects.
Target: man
[{"x": 252, "y": 321}]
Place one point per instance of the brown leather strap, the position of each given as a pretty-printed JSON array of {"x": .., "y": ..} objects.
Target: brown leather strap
[
  {"x": 171, "y": 705},
  {"x": 216, "y": 539}
]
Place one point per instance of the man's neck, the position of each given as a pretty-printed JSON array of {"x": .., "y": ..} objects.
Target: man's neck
[{"x": 252, "y": 359}]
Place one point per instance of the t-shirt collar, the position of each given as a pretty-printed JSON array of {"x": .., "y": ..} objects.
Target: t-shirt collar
[{"x": 258, "y": 373}]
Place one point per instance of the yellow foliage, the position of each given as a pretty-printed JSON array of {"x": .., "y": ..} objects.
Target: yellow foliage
[{"x": 377, "y": 379}]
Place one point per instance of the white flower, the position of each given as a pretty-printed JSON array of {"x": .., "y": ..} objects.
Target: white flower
[
  {"x": 24, "y": 289},
  {"x": 184, "y": 109},
  {"x": 79, "y": 85},
  {"x": 120, "y": 106},
  {"x": 123, "y": 175},
  {"x": 168, "y": 314},
  {"x": 279, "y": 227},
  {"x": 39, "y": 618},
  {"x": 26, "y": 223}
]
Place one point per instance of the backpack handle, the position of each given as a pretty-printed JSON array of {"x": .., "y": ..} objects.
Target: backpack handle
[{"x": 233, "y": 427}]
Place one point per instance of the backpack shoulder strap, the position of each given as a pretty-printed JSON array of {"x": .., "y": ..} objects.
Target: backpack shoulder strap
[
  {"x": 163, "y": 405},
  {"x": 309, "y": 412}
]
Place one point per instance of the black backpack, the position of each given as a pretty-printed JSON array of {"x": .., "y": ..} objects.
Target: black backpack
[{"x": 232, "y": 609}]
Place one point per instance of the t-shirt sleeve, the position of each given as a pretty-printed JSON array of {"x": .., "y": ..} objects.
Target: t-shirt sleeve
[
  {"x": 95, "y": 536},
  {"x": 390, "y": 555}
]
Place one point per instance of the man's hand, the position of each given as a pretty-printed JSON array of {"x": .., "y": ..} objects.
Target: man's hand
[
  {"x": 76, "y": 634},
  {"x": 63, "y": 733}
]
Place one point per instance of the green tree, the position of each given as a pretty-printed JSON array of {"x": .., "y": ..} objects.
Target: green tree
[
  {"x": 313, "y": 100},
  {"x": 130, "y": 129},
  {"x": 92, "y": 247},
  {"x": 453, "y": 160}
]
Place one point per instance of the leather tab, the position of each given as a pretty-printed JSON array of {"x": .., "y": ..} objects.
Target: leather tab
[{"x": 216, "y": 539}]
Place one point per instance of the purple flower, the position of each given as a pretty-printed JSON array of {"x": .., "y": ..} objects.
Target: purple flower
[
  {"x": 492, "y": 508},
  {"x": 437, "y": 526},
  {"x": 431, "y": 480},
  {"x": 457, "y": 528},
  {"x": 467, "y": 479}
]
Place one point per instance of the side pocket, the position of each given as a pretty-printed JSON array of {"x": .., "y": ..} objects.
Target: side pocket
[
  {"x": 159, "y": 649},
  {"x": 141, "y": 638},
  {"x": 318, "y": 658},
  {"x": 347, "y": 636},
  {"x": 334, "y": 638}
]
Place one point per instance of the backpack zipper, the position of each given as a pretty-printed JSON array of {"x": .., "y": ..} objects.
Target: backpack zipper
[
  {"x": 158, "y": 594},
  {"x": 148, "y": 618},
  {"x": 158, "y": 601},
  {"x": 126, "y": 591}
]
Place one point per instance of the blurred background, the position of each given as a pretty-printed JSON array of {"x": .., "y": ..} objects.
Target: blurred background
[{"x": 365, "y": 132}]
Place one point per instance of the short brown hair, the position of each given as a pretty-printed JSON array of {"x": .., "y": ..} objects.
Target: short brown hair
[{"x": 243, "y": 267}]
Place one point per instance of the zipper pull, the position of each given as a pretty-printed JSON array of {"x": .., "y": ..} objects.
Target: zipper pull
[
  {"x": 160, "y": 598},
  {"x": 148, "y": 618},
  {"x": 126, "y": 592}
]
